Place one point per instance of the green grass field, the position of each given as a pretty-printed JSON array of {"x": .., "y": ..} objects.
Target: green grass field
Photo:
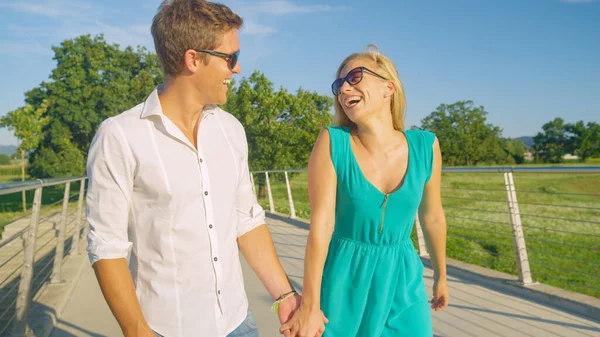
[
  {"x": 562, "y": 231},
  {"x": 8, "y": 172}
]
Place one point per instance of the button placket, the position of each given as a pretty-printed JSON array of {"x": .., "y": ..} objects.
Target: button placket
[{"x": 210, "y": 220}]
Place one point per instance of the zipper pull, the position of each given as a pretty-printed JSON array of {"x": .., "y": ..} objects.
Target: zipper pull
[{"x": 385, "y": 199}]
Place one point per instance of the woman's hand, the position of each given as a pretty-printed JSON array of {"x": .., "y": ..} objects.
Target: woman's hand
[
  {"x": 440, "y": 294},
  {"x": 305, "y": 323}
]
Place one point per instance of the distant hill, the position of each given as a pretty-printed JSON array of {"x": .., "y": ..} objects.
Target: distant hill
[
  {"x": 528, "y": 141},
  {"x": 8, "y": 150}
]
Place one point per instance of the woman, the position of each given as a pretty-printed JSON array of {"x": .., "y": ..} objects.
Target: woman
[{"x": 367, "y": 179}]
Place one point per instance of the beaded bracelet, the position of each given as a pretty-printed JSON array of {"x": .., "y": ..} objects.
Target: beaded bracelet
[{"x": 275, "y": 307}]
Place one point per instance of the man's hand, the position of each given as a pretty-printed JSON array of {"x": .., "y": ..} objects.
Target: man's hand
[
  {"x": 305, "y": 323},
  {"x": 287, "y": 308}
]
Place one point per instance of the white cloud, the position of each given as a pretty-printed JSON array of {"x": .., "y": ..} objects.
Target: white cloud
[
  {"x": 141, "y": 29},
  {"x": 287, "y": 7},
  {"x": 53, "y": 8},
  {"x": 577, "y": 1},
  {"x": 20, "y": 48},
  {"x": 40, "y": 9},
  {"x": 262, "y": 11},
  {"x": 72, "y": 18},
  {"x": 252, "y": 28},
  {"x": 67, "y": 19}
]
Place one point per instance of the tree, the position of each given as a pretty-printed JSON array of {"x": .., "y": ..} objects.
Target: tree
[
  {"x": 515, "y": 149},
  {"x": 281, "y": 127},
  {"x": 465, "y": 136},
  {"x": 551, "y": 144},
  {"x": 91, "y": 82},
  {"x": 4, "y": 159},
  {"x": 583, "y": 140},
  {"x": 27, "y": 123}
]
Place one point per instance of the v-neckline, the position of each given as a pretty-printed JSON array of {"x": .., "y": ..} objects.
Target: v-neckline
[{"x": 400, "y": 184}]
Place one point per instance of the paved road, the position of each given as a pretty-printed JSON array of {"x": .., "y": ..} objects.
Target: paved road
[{"x": 475, "y": 310}]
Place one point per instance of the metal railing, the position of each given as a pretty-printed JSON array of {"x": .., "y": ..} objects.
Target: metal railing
[
  {"x": 465, "y": 209},
  {"x": 494, "y": 225},
  {"x": 34, "y": 270}
]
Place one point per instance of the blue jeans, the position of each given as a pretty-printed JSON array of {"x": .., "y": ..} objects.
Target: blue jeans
[{"x": 246, "y": 329}]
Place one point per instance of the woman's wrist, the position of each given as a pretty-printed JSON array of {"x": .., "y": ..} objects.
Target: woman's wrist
[
  {"x": 439, "y": 276},
  {"x": 309, "y": 304}
]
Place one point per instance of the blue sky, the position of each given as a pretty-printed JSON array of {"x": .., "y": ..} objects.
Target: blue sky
[{"x": 525, "y": 61}]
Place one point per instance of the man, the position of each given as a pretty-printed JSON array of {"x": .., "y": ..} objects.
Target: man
[{"x": 169, "y": 184}]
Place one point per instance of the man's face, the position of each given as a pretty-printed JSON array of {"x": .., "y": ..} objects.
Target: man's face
[{"x": 214, "y": 77}]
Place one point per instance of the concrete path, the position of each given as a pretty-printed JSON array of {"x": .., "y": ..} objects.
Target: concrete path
[{"x": 475, "y": 310}]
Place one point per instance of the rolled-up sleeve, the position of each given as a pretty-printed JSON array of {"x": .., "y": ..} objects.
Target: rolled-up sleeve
[
  {"x": 250, "y": 213},
  {"x": 110, "y": 171}
]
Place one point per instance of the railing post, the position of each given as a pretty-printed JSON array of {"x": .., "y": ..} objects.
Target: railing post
[
  {"x": 420, "y": 238},
  {"x": 24, "y": 295},
  {"x": 23, "y": 195},
  {"x": 271, "y": 205},
  {"x": 289, "y": 190},
  {"x": 252, "y": 180},
  {"x": 77, "y": 234},
  {"x": 60, "y": 243},
  {"x": 517, "y": 231}
]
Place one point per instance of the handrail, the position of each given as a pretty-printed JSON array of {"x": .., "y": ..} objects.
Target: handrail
[
  {"x": 20, "y": 308},
  {"x": 461, "y": 218},
  {"x": 33, "y": 184},
  {"x": 500, "y": 169}
]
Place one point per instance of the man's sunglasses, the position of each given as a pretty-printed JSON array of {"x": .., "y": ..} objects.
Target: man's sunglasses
[
  {"x": 232, "y": 59},
  {"x": 353, "y": 77}
]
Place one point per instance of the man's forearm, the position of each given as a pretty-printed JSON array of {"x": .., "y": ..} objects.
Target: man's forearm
[
  {"x": 258, "y": 249},
  {"x": 118, "y": 290}
]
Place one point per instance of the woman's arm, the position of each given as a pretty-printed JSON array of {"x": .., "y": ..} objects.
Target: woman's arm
[
  {"x": 433, "y": 220},
  {"x": 322, "y": 183}
]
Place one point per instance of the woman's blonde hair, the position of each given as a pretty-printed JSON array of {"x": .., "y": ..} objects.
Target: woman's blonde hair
[{"x": 386, "y": 69}]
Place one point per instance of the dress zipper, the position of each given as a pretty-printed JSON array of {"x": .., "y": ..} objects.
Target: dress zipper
[{"x": 383, "y": 212}]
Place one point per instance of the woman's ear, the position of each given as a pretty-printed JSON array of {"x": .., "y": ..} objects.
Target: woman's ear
[{"x": 390, "y": 90}]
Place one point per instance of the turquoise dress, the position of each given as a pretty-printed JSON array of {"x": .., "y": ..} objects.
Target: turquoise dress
[{"x": 373, "y": 278}]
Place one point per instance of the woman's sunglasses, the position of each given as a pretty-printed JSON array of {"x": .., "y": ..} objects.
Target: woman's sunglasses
[
  {"x": 231, "y": 59},
  {"x": 353, "y": 77}
]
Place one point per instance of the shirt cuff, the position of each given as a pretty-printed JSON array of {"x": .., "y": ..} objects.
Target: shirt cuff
[
  {"x": 100, "y": 249},
  {"x": 250, "y": 218}
]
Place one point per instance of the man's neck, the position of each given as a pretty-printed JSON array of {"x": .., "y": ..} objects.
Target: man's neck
[{"x": 180, "y": 104}]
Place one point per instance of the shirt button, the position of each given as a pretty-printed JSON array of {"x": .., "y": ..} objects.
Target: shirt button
[
  {"x": 206, "y": 193},
  {"x": 201, "y": 160},
  {"x": 210, "y": 226},
  {"x": 215, "y": 259},
  {"x": 219, "y": 292}
]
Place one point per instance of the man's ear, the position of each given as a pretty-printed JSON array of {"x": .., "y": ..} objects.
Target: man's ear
[{"x": 191, "y": 62}]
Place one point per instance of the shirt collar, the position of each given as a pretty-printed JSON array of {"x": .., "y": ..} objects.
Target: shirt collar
[{"x": 152, "y": 105}]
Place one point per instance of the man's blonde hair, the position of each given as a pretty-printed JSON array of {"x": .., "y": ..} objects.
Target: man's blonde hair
[
  {"x": 385, "y": 68},
  {"x": 181, "y": 25}
]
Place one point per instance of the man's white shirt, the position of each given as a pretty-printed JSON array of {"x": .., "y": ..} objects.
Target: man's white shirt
[{"x": 178, "y": 211}]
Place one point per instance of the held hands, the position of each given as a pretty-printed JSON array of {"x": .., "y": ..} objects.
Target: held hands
[
  {"x": 287, "y": 307},
  {"x": 305, "y": 323},
  {"x": 440, "y": 294}
]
